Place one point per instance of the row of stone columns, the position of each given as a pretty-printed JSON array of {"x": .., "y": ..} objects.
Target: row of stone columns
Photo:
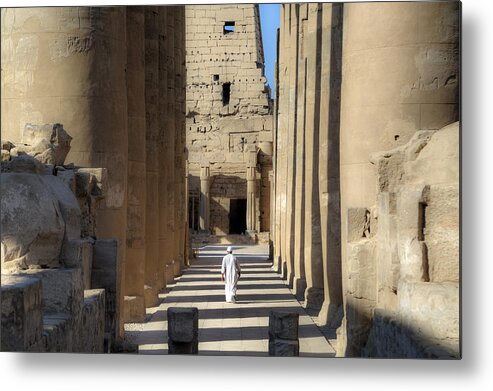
[
  {"x": 299, "y": 182},
  {"x": 352, "y": 79},
  {"x": 115, "y": 77}
]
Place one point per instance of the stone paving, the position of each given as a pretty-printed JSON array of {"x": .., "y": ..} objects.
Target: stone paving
[{"x": 238, "y": 329}]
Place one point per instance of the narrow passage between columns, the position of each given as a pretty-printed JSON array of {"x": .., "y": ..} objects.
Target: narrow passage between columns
[{"x": 224, "y": 328}]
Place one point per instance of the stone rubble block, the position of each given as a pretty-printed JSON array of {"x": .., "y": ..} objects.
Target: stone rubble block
[
  {"x": 78, "y": 254},
  {"x": 283, "y": 325},
  {"x": 62, "y": 290},
  {"x": 104, "y": 276},
  {"x": 91, "y": 181},
  {"x": 22, "y": 229},
  {"x": 183, "y": 330},
  {"x": 93, "y": 318},
  {"x": 49, "y": 143},
  {"x": 357, "y": 223},
  {"x": 21, "y": 314},
  {"x": 58, "y": 333},
  {"x": 134, "y": 309},
  {"x": 24, "y": 164}
]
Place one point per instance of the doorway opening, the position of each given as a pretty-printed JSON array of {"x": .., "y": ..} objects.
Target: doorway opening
[{"x": 237, "y": 215}]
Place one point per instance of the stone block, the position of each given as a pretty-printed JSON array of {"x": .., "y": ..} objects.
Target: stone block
[
  {"x": 21, "y": 314},
  {"x": 50, "y": 143},
  {"x": 22, "y": 163},
  {"x": 431, "y": 310},
  {"x": 283, "y": 325},
  {"x": 91, "y": 181},
  {"x": 357, "y": 223},
  {"x": 62, "y": 290},
  {"x": 134, "y": 309},
  {"x": 67, "y": 177},
  {"x": 93, "y": 318},
  {"x": 284, "y": 348},
  {"x": 58, "y": 333},
  {"x": 78, "y": 254},
  {"x": 183, "y": 324},
  {"x": 104, "y": 276},
  {"x": 183, "y": 330}
]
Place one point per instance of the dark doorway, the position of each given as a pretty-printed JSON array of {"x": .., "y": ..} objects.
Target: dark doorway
[
  {"x": 226, "y": 93},
  {"x": 237, "y": 216}
]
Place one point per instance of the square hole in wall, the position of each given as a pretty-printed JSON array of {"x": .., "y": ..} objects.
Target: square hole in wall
[
  {"x": 215, "y": 77},
  {"x": 229, "y": 27}
]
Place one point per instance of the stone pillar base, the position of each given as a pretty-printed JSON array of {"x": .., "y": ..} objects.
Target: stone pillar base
[
  {"x": 299, "y": 287},
  {"x": 284, "y": 270},
  {"x": 330, "y": 315},
  {"x": 314, "y": 298},
  {"x": 151, "y": 297},
  {"x": 170, "y": 274},
  {"x": 290, "y": 279},
  {"x": 134, "y": 309}
]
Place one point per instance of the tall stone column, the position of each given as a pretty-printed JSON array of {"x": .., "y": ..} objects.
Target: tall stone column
[
  {"x": 292, "y": 90},
  {"x": 152, "y": 274},
  {"x": 329, "y": 194},
  {"x": 204, "y": 199},
  {"x": 168, "y": 161},
  {"x": 281, "y": 127},
  {"x": 134, "y": 310},
  {"x": 275, "y": 196},
  {"x": 178, "y": 13},
  {"x": 67, "y": 65},
  {"x": 401, "y": 74},
  {"x": 299, "y": 282},
  {"x": 251, "y": 197},
  {"x": 313, "y": 250}
]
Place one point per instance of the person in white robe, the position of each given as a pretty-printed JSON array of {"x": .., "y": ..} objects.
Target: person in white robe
[{"x": 230, "y": 274}]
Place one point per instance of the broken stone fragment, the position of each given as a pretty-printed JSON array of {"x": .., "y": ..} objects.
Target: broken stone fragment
[
  {"x": 39, "y": 213},
  {"x": 5, "y": 155},
  {"x": 49, "y": 143},
  {"x": 21, "y": 320},
  {"x": 7, "y": 145},
  {"x": 91, "y": 181},
  {"x": 25, "y": 163}
]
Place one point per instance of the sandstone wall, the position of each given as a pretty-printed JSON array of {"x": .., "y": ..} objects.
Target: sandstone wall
[{"x": 228, "y": 108}]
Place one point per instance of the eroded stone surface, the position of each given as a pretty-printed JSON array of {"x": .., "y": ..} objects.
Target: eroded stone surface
[{"x": 21, "y": 313}]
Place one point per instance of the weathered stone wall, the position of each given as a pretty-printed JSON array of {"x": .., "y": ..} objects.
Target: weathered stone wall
[
  {"x": 228, "y": 109},
  {"x": 355, "y": 79},
  {"x": 115, "y": 77},
  {"x": 47, "y": 253}
]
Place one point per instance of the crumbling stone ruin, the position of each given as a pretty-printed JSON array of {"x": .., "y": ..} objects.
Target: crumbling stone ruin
[
  {"x": 115, "y": 78},
  {"x": 369, "y": 240},
  {"x": 53, "y": 298},
  {"x": 229, "y": 121}
]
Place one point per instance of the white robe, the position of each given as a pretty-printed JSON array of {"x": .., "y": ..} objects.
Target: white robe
[{"x": 231, "y": 269}]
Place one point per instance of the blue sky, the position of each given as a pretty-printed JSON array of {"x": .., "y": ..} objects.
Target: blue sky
[{"x": 269, "y": 21}]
